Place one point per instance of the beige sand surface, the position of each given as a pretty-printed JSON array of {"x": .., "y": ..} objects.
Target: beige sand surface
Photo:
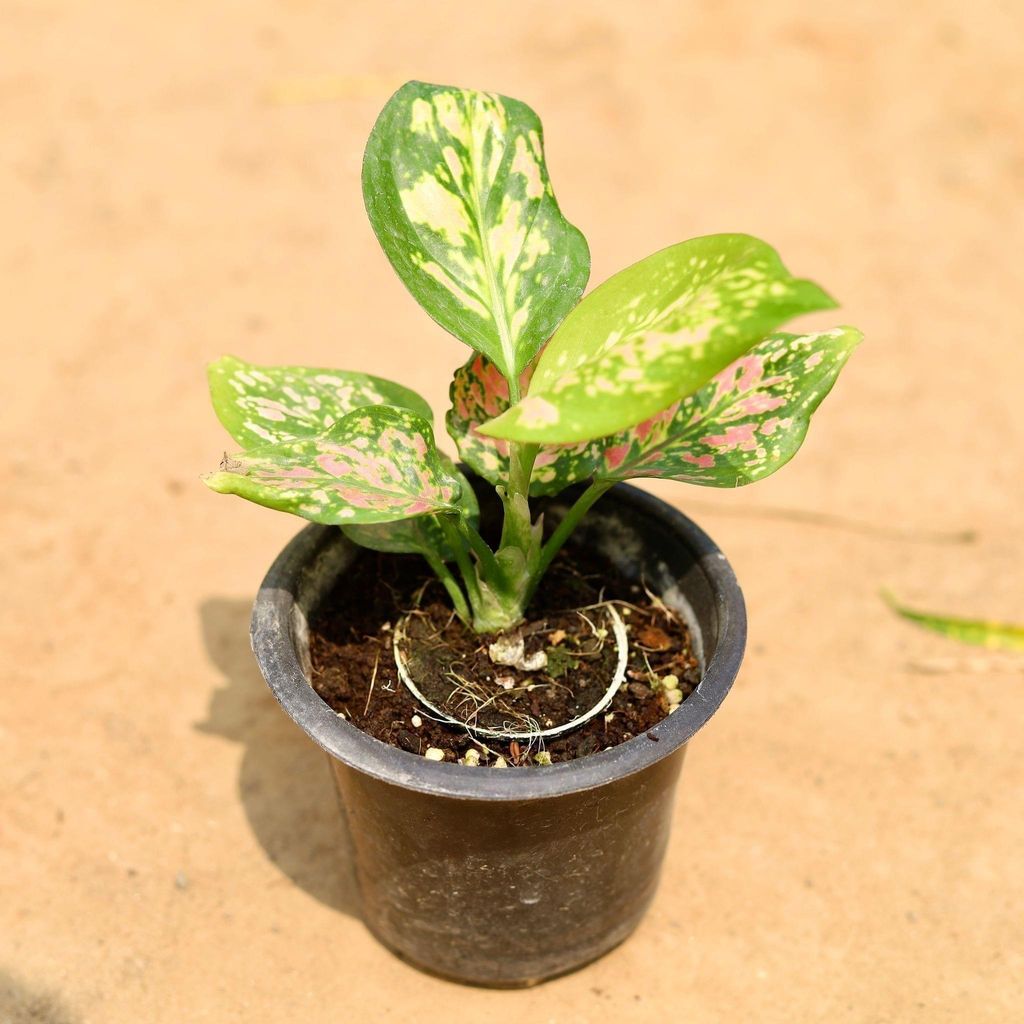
[{"x": 182, "y": 179}]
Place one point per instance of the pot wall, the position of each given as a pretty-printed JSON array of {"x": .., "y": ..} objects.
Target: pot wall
[
  {"x": 509, "y": 876},
  {"x": 508, "y": 893}
]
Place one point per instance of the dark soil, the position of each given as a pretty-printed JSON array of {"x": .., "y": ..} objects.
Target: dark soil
[{"x": 351, "y": 647}]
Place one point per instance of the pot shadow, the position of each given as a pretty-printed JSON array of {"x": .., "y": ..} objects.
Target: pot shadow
[
  {"x": 284, "y": 781},
  {"x": 22, "y": 1003}
]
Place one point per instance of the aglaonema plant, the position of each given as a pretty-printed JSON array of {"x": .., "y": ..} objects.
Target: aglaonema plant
[{"x": 675, "y": 367}]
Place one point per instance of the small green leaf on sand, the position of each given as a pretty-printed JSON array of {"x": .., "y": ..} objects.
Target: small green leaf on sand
[{"x": 993, "y": 635}]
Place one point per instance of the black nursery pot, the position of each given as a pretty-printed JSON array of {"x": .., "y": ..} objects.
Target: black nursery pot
[{"x": 507, "y": 877}]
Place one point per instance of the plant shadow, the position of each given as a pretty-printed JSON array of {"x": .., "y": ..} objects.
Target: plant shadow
[
  {"x": 284, "y": 781},
  {"x": 22, "y": 1003}
]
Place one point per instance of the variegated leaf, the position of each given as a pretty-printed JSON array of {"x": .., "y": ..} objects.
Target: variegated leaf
[
  {"x": 746, "y": 423},
  {"x": 653, "y": 333},
  {"x": 458, "y": 193},
  {"x": 749, "y": 421},
  {"x": 421, "y": 534},
  {"x": 375, "y": 465},
  {"x": 1003, "y": 636},
  {"x": 479, "y": 392},
  {"x": 260, "y": 405}
]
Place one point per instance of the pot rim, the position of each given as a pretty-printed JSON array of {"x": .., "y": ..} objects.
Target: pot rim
[{"x": 271, "y": 635}]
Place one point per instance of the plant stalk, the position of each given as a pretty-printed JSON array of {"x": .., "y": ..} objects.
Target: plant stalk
[
  {"x": 479, "y": 548},
  {"x": 462, "y": 560},
  {"x": 569, "y": 522},
  {"x": 451, "y": 585},
  {"x": 516, "y": 527}
]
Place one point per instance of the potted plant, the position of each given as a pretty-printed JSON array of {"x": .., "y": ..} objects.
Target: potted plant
[{"x": 577, "y": 646}]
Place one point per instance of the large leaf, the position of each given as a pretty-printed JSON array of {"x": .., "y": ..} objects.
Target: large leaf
[
  {"x": 743, "y": 425},
  {"x": 749, "y": 421},
  {"x": 421, "y": 534},
  {"x": 376, "y": 465},
  {"x": 457, "y": 191},
  {"x": 261, "y": 405},
  {"x": 978, "y": 632},
  {"x": 654, "y": 333}
]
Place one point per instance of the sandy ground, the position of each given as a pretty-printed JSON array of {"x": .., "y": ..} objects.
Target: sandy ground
[{"x": 181, "y": 179}]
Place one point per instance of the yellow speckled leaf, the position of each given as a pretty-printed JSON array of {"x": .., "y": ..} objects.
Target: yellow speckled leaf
[
  {"x": 653, "y": 334},
  {"x": 261, "y": 405},
  {"x": 458, "y": 193}
]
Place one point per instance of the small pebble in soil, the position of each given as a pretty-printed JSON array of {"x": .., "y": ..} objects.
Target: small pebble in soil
[
  {"x": 670, "y": 682},
  {"x": 471, "y": 757},
  {"x": 433, "y": 754},
  {"x": 408, "y": 741},
  {"x": 500, "y": 762},
  {"x": 416, "y": 721},
  {"x": 542, "y": 758}
]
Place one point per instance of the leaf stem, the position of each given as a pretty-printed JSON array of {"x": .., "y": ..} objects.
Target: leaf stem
[
  {"x": 479, "y": 547},
  {"x": 569, "y": 522},
  {"x": 458, "y": 546},
  {"x": 451, "y": 585}
]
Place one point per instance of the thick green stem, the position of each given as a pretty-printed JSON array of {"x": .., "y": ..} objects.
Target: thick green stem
[{"x": 516, "y": 528}]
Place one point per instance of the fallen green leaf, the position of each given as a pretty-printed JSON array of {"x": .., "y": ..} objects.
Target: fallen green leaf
[{"x": 978, "y": 632}]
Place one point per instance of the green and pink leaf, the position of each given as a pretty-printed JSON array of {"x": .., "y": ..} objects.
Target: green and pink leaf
[
  {"x": 260, "y": 405},
  {"x": 749, "y": 421},
  {"x": 422, "y": 535},
  {"x": 479, "y": 393},
  {"x": 743, "y": 425},
  {"x": 376, "y": 465}
]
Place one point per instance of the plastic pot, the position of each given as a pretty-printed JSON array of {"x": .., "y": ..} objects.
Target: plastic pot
[{"x": 507, "y": 877}]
